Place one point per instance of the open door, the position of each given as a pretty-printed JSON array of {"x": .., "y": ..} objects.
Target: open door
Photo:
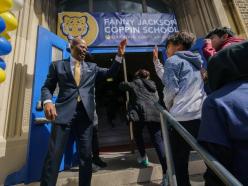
[{"x": 50, "y": 47}]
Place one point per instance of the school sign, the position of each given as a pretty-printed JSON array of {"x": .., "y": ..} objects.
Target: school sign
[{"x": 107, "y": 29}]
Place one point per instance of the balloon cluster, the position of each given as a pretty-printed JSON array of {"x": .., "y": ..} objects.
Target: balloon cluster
[{"x": 8, "y": 22}]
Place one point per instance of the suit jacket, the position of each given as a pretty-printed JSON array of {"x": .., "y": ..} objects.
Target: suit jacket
[{"x": 66, "y": 102}]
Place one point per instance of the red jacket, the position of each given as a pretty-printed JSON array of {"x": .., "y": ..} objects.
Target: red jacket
[{"x": 209, "y": 51}]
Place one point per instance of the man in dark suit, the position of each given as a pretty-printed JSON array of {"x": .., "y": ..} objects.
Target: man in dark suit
[{"x": 74, "y": 108}]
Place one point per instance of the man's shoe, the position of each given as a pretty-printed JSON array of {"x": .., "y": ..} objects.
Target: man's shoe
[
  {"x": 95, "y": 167},
  {"x": 99, "y": 162}
]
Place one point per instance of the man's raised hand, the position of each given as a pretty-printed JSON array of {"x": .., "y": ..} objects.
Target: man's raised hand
[{"x": 122, "y": 47}]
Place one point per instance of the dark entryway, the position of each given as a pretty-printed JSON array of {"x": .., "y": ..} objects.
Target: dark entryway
[{"x": 111, "y": 102}]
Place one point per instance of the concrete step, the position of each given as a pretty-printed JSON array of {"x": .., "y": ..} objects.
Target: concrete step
[{"x": 123, "y": 170}]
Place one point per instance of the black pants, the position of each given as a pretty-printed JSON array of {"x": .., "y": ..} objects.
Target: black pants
[
  {"x": 181, "y": 150},
  {"x": 95, "y": 143},
  {"x": 154, "y": 129},
  {"x": 224, "y": 156},
  {"x": 82, "y": 129}
]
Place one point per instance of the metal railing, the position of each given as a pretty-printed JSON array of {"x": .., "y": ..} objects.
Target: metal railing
[{"x": 211, "y": 162}]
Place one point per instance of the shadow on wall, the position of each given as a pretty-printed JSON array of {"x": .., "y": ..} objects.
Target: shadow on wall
[
  {"x": 49, "y": 10},
  {"x": 19, "y": 110},
  {"x": 16, "y": 141}
]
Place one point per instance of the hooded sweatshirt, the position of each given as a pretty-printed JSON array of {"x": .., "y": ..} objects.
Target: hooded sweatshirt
[
  {"x": 143, "y": 94},
  {"x": 183, "y": 85},
  {"x": 209, "y": 51}
]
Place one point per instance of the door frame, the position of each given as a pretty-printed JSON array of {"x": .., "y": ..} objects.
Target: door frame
[{"x": 102, "y": 50}]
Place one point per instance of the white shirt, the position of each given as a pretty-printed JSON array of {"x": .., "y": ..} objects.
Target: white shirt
[{"x": 159, "y": 68}]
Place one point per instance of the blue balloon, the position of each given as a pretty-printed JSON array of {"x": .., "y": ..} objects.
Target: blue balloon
[
  {"x": 2, "y": 64},
  {"x": 5, "y": 46},
  {"x": 2, "y": 25}
]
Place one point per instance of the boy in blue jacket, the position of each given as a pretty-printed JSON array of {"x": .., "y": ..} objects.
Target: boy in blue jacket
[{"x": 224, "y": 126}]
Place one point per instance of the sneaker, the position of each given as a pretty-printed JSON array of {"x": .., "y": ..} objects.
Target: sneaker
[
  {"x": 143, "y": 161},
  {"x": 165, "y": 180},
  {"x": 98, "y": 161},
  {"x": 95, "y": 167}
]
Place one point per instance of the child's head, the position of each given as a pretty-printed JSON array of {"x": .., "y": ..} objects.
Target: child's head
[
  {"x": 219, "y": 35},
  {"x": 142, "y": 73},
  {"x": 179, "y": 41}
]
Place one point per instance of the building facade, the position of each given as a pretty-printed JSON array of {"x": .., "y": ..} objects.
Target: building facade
[{"x": 197, "y": 16}]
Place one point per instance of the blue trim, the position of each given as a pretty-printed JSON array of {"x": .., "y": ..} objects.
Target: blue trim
[
  {"x": 114, "y": 50},
  {"x": 103, "y": 50}
]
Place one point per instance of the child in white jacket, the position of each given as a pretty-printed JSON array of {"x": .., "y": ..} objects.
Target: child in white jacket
[{"x": 183, "y": 95}]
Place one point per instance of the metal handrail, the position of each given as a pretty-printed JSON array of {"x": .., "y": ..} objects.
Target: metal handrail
[
  {"x": 169, "y": 159},
  {"x": 212, "y": 163}
]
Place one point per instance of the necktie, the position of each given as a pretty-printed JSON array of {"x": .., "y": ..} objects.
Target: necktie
[{"x": 77, "y": 73}]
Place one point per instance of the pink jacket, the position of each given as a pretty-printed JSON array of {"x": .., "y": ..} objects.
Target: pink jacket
[{"x": 209, "y": 51}]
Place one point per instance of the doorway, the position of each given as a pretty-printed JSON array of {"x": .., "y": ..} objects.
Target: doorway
[
  {"x": 113, "y": 129},
  {"x": 110, "y": 106}
]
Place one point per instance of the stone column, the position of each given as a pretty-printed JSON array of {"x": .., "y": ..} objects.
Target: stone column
[
  {"x": 220, "y": 13},
  {"x": 199, "y": 16},
  {"x": 16, "y": 91}
]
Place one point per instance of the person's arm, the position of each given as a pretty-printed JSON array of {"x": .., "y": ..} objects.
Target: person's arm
[
  {"x": 159, "y": 68},
  {"x": 170, "y": 81},
  {"x": 208, "y": 49},
  {"x": 103, "y": 73},
  {"x": 213, "y": 128},
  {"x": 47, "y": 91},
  {"x": 125, "y": 86},
  {"x": 50, "y": 84},
  {"x": 212, "y": 136}
]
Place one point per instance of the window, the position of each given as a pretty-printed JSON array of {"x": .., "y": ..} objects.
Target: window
[
  {"x": 57, "y": 54},
  {"x": 105, "y": 6},
  {"x": 74, "y": 6},
  {"x": 157, "y": 7},
  {"x": 134, "y": 6},
  {"x": 127, "y": 6}
]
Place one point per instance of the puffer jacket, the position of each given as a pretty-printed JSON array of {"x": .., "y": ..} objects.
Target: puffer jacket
[{"x": 143, "y": 94}]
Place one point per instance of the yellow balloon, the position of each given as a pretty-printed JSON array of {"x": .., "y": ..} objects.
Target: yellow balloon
[
  {"x": 5, "y": 35},
  {"x": 5, "y": 5},
  {"x": 10, "y": 21},
  {"x": 2, "y": 75}
]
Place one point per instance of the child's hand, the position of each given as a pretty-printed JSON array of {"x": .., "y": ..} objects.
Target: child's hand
[{"x": 155, "y": 53}]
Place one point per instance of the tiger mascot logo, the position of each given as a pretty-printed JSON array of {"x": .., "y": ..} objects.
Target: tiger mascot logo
[
  {"x": 78, "y": 24},
  {"x": 75, "y": 26}
]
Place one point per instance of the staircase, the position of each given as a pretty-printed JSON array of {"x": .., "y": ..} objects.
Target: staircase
[{"x": 123, "y": 170}]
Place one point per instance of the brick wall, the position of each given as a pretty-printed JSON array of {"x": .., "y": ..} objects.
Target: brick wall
[{"x": 243, "y": 8}]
